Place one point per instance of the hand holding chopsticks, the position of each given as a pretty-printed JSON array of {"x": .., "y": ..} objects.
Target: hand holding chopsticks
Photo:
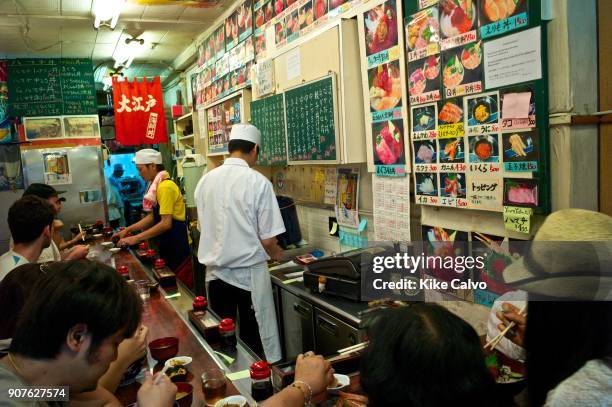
[{"x": 495, "y": 341}]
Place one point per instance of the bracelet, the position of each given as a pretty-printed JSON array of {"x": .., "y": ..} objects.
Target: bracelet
[{"x": 307, "y": 396}]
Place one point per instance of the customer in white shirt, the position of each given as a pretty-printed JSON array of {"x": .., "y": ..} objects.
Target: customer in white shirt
[
  {"x": 30, "y": 220},
  {"x": 239, "y": 220}
]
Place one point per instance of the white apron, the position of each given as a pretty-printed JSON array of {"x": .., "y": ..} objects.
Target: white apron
[{"x": 265, "y": 313}]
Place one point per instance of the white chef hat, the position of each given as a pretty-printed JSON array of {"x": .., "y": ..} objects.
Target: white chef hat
[
  {"x": 148, "y": 156},
  {"x": 245, "y": 131}
]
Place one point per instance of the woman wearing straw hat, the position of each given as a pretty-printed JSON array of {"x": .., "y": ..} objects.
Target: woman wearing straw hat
[{"x": 568, "y": 331}]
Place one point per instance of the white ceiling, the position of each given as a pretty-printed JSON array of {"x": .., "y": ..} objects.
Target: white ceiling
[{"x": 64, "y": 28}]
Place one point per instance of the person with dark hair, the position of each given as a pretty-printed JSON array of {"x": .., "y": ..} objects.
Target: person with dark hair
[
  {"x": 69, "y": 329},
  {"x": 30, "y": 221},
  {"x": 240, "y": 219},
  {"x": 165, "y": 222},
  {"x": 58, "y": 249},
  {"x": 567, "y": 333},
  {"x": 424, "y": 355}
]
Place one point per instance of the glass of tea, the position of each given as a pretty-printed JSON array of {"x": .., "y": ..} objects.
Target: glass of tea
[{"x": 213, "y": 386}]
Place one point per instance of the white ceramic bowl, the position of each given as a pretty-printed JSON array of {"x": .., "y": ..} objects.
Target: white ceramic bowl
[
  {"x": 114, "y": 250},
  {"x": 343, "y": 381},
  {"x": 178, "y": 360},
  {"x": 241, "y": 401},
  {"x": 107, "y": 245}
]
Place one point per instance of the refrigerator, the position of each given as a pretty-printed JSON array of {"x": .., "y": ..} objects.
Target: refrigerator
[{"x": 78, "y": 171}]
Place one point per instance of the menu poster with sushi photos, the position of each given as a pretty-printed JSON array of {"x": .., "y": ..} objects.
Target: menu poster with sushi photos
[
  {"x": 462, "y": 70},
  {"x": 423, "y": 34},
  {"x": 220, "y": 42},
  {"x": 424, "y": 80},
  {"x": 458, "y": 23},
  {"x": 383, "y": 70},
  {"x": 424, "y": 134},
  {"x": 499, "y": 17},
  {"x": 521, "y": 151},
  {"x": 518, "y": 108},
  {"x": 482, "y": 114}
]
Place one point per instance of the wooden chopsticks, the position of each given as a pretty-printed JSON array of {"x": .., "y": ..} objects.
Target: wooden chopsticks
[{"x": 495, "y": 341}]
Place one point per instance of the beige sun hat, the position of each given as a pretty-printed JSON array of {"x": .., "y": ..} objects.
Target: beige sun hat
[{"x": 570, "y": 257}]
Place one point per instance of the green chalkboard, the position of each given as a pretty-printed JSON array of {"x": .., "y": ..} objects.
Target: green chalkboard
[
  {"x": 311, "y": 121},
  {"x": 51, "y": 87},
  {"x": 268, "y": 115}
]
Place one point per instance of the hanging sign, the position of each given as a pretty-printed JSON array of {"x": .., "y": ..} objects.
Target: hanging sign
[{"x": 139, "y": 112}]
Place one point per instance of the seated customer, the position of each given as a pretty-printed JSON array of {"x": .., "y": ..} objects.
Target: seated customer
[
  {"x": 424, "y": 355},
  {"x": 30, "y": 221},
  {"x": 55, "y": 251},
  {"x": 68, "y": 332},
  {"x": 568, "y": 329}
]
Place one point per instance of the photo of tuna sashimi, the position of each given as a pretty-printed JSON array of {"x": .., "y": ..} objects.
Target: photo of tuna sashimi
[
  {"x": 457, "y": 17},
  {"x": 388, "y": 143}
]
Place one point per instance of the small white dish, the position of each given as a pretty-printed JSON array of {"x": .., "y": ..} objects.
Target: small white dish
[
  {"x": 92, "y": 255},
  {"x": 114, "y": 250},
  {"x": 107, "y": 245},
  {"x": 343, "y": 381},
  {"x": 240, "y": 400},
  {"x": 178, "y": 360}
]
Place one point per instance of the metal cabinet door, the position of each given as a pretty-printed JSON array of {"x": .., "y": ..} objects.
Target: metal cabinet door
[
  {"x": 332, "y": 334},
  {"x": 298, "y": 329}
]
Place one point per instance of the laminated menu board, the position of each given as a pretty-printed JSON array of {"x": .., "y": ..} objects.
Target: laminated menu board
[
  {"x": 311, "y": 114},
  {"x": 48, "y": 87},
  {"x": 483, "y": 143},
  {"x": 383, "y": 72},
  {"x": 268, "y": 115}
]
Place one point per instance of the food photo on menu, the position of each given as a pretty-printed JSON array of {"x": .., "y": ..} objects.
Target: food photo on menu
[
  {"x": 484, "y": 148},
  {"x": 457, "y": 17},
  {"x": 244, "y": 19},
  {"x": 426, "y": 183},
  {"x": 423, "y": 118},
  {"x": 452, "y": 150},
  {"x": 424, "y": 77},
  {"x": 423, "y": 30},
  {"x": 452, "y": 185},
  {"x": 385, "y": 86},
  {"x": 462, "y": 66},
  {"x": 482, "y": 110},
  {"x": 521, "y": 192},
  {"x": 381, "y": 28},
  {"x": 445, "y": 242},
  {"x": 320, "y": 8},
  {"x": 521, "y": 146},
  {"x": 306, "y": 16},
  {"x": 281, "y": 32},
  {"x": 450, "y": 112},
  {"x": 425, "y": 152},
  {"x": 388, "y": 143},
  {"x": 492, "y": 11}
]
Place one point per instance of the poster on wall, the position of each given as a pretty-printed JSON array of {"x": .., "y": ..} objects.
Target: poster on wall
[
  {"x": 231, "y": 31},
  {"x": 423, "y": 34},
  {"x": 462, "y": 70},
  {"x": 11, "y": 176},
  {"x": 391, "y": 208},
  {"x": 244, "y": 19},
  {"x": 43, "y": 128},
  {"x": 219, "y": 42},
  {"x": 5, "y": 125},
  {"x": 383, "y": 66},
  {"x": 347, "y": 197},
  {"x": 82, "y": 126},
  {"x": 458, "y": 22},
  {"x": 57, "y": 168}
]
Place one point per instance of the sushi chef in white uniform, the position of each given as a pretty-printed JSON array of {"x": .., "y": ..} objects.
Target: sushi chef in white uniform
[{"x": 239, "y": 221}]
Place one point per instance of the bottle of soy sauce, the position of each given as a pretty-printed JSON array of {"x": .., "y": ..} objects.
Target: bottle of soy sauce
[
  {"x": 227, "y": 330},
  {"x": 261, "y": 383}
]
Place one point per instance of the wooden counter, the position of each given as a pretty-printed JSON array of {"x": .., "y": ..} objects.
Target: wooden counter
[{"x": 162, "y": 320}]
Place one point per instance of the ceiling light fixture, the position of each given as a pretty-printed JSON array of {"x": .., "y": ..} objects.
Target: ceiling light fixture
[
  {"x": 124, "y": 55},
  {"x": 106, "y": 12}
]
